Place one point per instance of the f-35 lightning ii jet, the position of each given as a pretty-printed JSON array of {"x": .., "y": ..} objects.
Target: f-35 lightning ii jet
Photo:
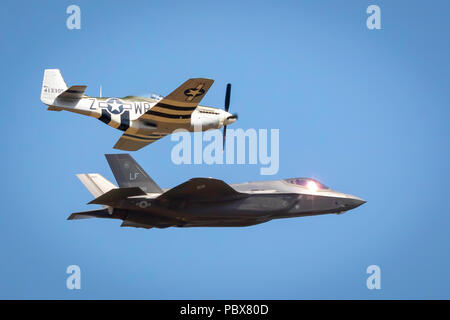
[{"x": 204, "y": 202}]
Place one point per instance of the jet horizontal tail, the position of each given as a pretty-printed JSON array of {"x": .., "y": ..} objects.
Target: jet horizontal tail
[
  {"x": 115, "y": 195},
  {"x": 102, "y": 213}
]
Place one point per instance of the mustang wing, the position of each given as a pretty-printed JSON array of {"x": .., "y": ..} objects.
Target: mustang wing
[
  {"x": 133, "y": 142},
  {"x": 178, "y": 106}
]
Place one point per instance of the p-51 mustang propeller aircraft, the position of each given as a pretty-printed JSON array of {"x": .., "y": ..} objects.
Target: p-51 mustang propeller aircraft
[
  {"x": 143, "y": 120},
  {"x": 205, "y": 202}
]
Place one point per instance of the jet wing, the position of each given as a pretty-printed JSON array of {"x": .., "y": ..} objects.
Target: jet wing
[
  {"x": 135, "y": 225},
  {"x": 161, "y": 224},
  {"x": 178, "y": 106},
  {"x": 200, "y": 189},
  {"x": 133, "y": 142}
]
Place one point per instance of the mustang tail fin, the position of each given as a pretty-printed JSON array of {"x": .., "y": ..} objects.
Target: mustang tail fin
[
  {"x": 52, "y": 85},
  {"x": 128, "y": 173}
]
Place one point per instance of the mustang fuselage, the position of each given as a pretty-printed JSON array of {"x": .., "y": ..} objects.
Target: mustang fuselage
[{"x": 125, "y": 113}]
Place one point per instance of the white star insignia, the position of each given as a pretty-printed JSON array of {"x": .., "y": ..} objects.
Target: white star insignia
[{"x": 115, "y": 106}]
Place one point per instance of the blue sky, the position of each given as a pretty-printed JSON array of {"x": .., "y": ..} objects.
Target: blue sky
[{"x": 365, "y": 112}]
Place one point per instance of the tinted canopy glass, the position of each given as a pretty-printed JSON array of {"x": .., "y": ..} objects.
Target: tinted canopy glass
[{"x": 308, "y": 183}]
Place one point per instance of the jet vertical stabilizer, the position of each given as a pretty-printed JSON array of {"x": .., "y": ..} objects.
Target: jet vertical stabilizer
[{"x": 128, "y": 173}]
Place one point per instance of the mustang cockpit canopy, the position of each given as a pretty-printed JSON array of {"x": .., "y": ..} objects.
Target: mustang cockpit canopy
[{"x": 156, "y": 96}]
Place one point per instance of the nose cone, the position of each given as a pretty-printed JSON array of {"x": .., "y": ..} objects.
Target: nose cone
[
  {"x": 346, "y": 202},
  {"x": 229, "y": 118},
  {"x": 354, "y": 202}
]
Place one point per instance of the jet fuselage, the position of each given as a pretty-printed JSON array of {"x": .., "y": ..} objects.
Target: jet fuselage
[{"x": 256, "y": 203}]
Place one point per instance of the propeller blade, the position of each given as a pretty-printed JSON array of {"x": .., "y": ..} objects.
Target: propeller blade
[
  {"x": 227, "y": 107},
  {"x": 227, "y": 97},
  {"x": 224, "y": 136}
]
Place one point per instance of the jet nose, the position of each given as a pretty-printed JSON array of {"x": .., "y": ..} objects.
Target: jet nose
[
  {"x": 346, "y": 202},
  {"x": 354, "y": 203}
]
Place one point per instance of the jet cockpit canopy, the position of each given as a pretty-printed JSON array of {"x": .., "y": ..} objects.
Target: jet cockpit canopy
[{"x": 308, "y": 183}]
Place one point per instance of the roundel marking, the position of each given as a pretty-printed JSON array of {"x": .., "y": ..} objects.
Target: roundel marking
[
  {"x": 194, "y": 92},
  {"x": 114, "y": 106}
]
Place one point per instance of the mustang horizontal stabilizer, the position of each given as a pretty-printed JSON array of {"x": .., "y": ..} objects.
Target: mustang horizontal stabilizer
[
  {"x": 178, "y": 106},
  {"x": 102, "y": 213},
  {"x": 200, "y": 189},
  {"x": 129, "y": 173},
  {"x": 73, "y": 93},
  {"x": 115, "y": 195},
  {"x": 134, "y": 142}
]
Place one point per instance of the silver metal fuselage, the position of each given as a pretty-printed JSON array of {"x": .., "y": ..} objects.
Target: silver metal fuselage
[{"x": 257, "y": 202}]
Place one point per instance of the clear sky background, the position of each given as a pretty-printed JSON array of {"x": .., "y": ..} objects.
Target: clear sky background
[{"x": 365, "y": 112}]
